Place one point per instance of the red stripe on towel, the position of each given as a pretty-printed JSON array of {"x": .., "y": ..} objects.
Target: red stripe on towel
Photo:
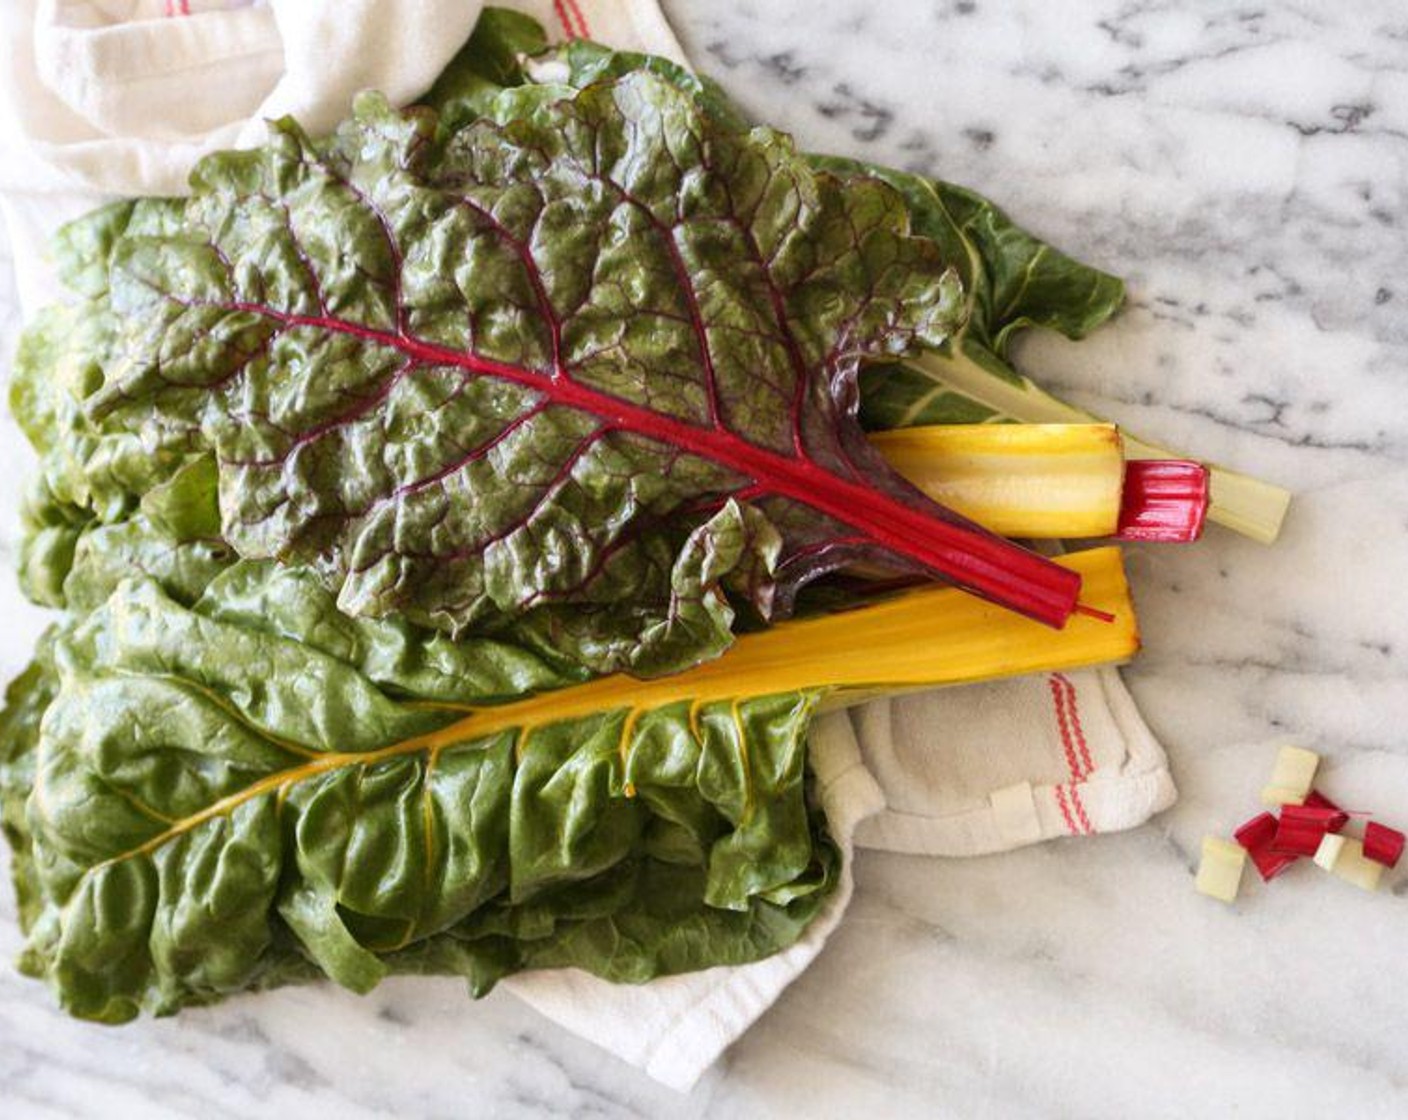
[
  {"x": 1068, "y": 744},
  {"x": 1074, "y": 709},
  {"x": 1063, "y": 724},
  {"x": 560, "y": 7},
  {"x": 1080, "y": 812},
  {"x": 581, "y": 19},
  {"x": 566, "y": 10},
  {"x": 1066, "y": 810}
]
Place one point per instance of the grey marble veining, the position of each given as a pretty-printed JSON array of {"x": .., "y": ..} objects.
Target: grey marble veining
[{"x": 1244, "y": 166}]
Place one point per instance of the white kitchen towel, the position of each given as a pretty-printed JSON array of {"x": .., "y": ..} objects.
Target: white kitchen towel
[
  {"x": 984, "y": 768},
  {"x": 123, "y": 96},
  {"x": 110, "y": 97}
]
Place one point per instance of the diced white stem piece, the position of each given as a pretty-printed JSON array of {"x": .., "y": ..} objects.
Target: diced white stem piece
[
  {"x": 1292, "y": 778},
  {"x": 1352, "y": 867},
  {"x": 1220, "y": 871},
  {"x": 1328, "y": 854}
]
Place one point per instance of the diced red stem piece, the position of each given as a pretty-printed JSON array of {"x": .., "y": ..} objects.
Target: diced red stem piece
[
  {"x": 1163, "y": 500},
  {"x": 1256, "y": 836},
  {"x": 1302, "y": 827},
  {"x": 1382, "y": 844},
  {"x": 1317, "y": 800}
]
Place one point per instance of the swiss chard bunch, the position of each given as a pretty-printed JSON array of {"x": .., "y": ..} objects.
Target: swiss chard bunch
[{"x": 359, "y": 464}]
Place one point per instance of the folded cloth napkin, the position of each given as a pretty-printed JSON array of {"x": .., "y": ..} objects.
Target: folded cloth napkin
[{"x": 119, "y": 96}]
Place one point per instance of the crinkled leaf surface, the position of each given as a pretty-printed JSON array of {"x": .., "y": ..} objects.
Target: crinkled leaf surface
[
  {"x": 26, "y": 700},
  {"x": 226, "y": 792},
  {"x": 1011, "y": 280},
  {"x": 90, "y": 474},
  {"x": 580, "y": 62},
  {"x": 492, "y": 59},
  {"x": 593, "y": 363}
]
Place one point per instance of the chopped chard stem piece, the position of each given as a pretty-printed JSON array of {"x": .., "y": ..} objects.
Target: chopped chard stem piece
[
  {"x": 1383, "y": 844},
  {"x": 1220, "y": 872}
]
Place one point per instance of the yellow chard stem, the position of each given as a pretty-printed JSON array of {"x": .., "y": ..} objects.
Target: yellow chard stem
[
  {"x": 1019, "y": 480},
  {"x": 930, "y": 636},
  {"x": 1243, "y": 504}
]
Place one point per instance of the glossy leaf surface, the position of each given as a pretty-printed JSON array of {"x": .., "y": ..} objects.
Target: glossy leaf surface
[
  {"x": 593, "y": 362},
  {"x": 226, "y": 793}
]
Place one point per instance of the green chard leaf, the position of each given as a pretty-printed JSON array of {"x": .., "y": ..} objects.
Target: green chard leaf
[
  {"x": 90, "y": 476},
  {"x": 1011, "y": 281},
  {"x": 26, "y": 700},
  {"x": 580, "y": 63},
  {"x": 226, "y": 791},
  {"x": 491, "y": 60}
]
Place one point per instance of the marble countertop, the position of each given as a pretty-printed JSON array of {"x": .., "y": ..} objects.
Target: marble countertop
[{"x": 1245, "y": 168}]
